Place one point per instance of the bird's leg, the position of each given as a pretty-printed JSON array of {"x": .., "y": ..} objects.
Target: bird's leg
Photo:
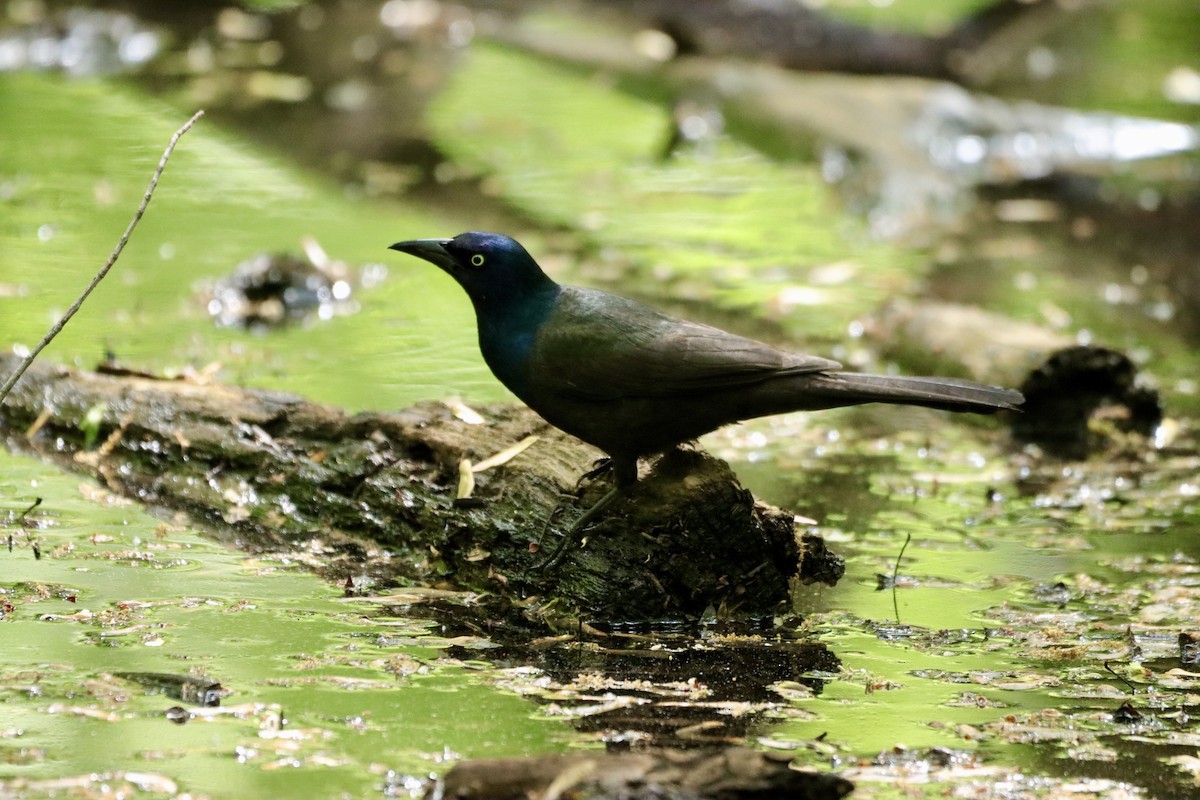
[
  {"x": 572, "y": 534},
  {"x": 625, "y": 475}
]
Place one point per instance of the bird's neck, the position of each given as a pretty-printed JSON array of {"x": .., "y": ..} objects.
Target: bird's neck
[{"x": 507, "y": 331}]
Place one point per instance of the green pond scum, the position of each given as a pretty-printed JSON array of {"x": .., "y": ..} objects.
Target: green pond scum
[{"x": 1040, "y": 603}]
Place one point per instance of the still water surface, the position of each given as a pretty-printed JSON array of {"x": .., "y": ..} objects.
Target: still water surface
[{"x": 1016, "y": 589}]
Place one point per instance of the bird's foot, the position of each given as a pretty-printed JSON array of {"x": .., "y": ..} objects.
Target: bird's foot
[
  {"x": 576, "y": 530},
  {"x": 599, "y": 467}
]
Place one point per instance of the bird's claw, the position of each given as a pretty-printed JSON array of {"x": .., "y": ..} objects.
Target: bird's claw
[
  {"x": 599, "y": 467},
  {"x": 574, "y": 533}
]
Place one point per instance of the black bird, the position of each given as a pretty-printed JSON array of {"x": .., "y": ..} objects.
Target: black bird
[{"x": 635, "y": 382}]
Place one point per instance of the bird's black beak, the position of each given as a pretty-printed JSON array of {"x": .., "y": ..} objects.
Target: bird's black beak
[{"x": 432, "y": 250}]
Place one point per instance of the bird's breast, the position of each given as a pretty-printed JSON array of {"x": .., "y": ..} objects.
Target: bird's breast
[
  {"x": 508, "y": 336},
  {"x": 507, "y": 353}
]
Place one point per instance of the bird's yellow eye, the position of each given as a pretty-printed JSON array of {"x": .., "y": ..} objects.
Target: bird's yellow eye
[{"x": 477, "y": 260}]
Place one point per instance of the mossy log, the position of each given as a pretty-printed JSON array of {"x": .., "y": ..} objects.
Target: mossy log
[{"x": 376, "y": 494}]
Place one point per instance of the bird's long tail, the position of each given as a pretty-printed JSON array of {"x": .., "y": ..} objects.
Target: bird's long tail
[{"x": 948, "y": 394}]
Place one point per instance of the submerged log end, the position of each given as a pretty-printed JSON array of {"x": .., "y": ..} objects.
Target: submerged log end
[{"x": 687, "y": 541}]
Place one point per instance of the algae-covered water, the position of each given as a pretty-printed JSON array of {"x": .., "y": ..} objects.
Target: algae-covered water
[{"x": 1034, "y": 597}]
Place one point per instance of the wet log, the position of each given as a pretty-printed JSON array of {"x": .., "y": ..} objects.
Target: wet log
[
  {"x": 801, "y": 37},
  {"x": 954, "y": 339},
  {"x": 681, "y": 774},
  {"x": 1080, "y": 400},
  {"x": 377, "y": 494}
]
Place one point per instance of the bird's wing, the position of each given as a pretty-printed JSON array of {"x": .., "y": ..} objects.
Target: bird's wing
[{"x": 597, "y": 345}]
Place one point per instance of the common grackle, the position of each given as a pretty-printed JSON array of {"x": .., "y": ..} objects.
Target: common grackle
[{"x": 633, "y": 381}]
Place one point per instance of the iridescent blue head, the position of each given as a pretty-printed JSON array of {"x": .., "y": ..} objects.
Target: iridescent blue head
[{"x": 495, "y": 271}]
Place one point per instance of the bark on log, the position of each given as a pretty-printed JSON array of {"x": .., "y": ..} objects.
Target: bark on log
[{"x": 375, "y": 493}]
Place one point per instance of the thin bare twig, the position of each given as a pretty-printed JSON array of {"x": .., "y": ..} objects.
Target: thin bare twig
[
  {"x": 112, "y": 259},
  {"x": 896, "y": 574},
  {"x": 1122, "y": 678}
]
